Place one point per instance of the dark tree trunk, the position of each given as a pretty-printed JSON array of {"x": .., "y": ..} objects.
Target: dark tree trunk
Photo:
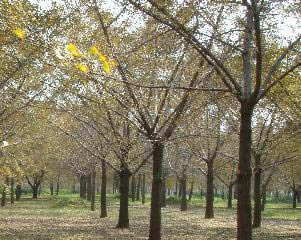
[
  {"x": 168, "y": 192},
  {"x": 202, "y": 193},
  {"x": 133, "y": 188},
  {"x": 163, "y": 193},
  {"x": 209, "y": 213},
  {"x": 12, "y": 190},
  {"x": 143, "y": 188},
  {"x": 3, "y": 199},
  {"x": 223, "y": 193},
  {"x": 235, "y": 191},
  {"x": 83, "y": 190},
  {"x": 180, "y": 188},
  {"x": 51, "y": 188},
  {"x": 18, "y": 192},
  {"x": 89, "y": 187},
  {"x": 123, "y": 221},
  {"x": 183, "y": 190},
  {"x": 277, "y": 193},
  {"x": 93, "y": 190},
  {"x": 103, "y": 197},
  {"x": 176, "y": 191},
  {"x": 264, "y": 197},
  {"x": 257, "y": 194},
  {"x": 40, "y": 190},
  {"x": 298, "y": 196},
  {"x": 191, "y": 190},
  {"x": 155, "y": 215},
  {"x": 57, "y": 186},
  {"x": 295, "y": 193},
  {"x": 230, "y": 193},
  {"x": 35, "y": 192},
  {"x": 138, "y": 188},
  {"x": 244, "y": 174}
]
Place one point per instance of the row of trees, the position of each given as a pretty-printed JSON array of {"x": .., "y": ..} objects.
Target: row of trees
[{"x": 180, "y": 87}]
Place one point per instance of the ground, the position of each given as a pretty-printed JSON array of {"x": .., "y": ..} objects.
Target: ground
[{"x": 59, "y": 219}]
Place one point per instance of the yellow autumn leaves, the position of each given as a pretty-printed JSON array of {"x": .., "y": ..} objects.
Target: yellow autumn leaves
[
  {"x": 20, "y": 33},
  {"x": 107, "y": 65}
]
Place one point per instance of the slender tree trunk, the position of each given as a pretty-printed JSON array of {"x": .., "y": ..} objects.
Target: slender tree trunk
[
  {"x": 123, "y": 221},
  {"x": 155, "y": 215},
  {"x": 176, "y": 192},
  {"x": 18, "y": 192},
  {"x": 138, "y": 188},
  {"x": 294, "y": 196},
  {"x": 12, "y": 190},
  {"x": 202, "y": 193},
  {"x": 89, "y": 187},
  {"x": 180, "y": 188},
  {"x": 83, "y": 189},
  {"x": 58, "y": 186},
  {"x": 51, "y": 188},
  {"x": 133, "y": 188},
  {"x": 257, "y": 194},
  {"x": 103, "y": 197},
  {"x": 223, "y": 193},
  {"x": 244, "y": 174},
  {"x": 230, "y": 195},
  {"x": 191, "y": 191},
  {"x": 40, "y": 190},
  {"x": 183, "y": 197},
  {"x": 93, "y": 190},
  {"x": 264, "y": 197},
  {"x": 4, "y": 192},
  {"x": 163, "y": 192},
  {"x": 209, "y": 213},
  {"x": 143, "y": 188}
]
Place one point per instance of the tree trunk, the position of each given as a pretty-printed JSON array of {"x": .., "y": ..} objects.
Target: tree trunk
[
  {"x": 176, "y": 191},
  {"x": 257, "y": 194},
  {"x": 35, "y": 189},
  {"x": 191, "y": 190},
  {"x": 12, "y": 190},
  {"x": 133, "y": 188},
  {"x": 83, "y": 190},
  {"x": 18, "y": 192},
  {"x": 155, "y": 215},
  {"x": 123, "y": 221},
  {"x": 40, "y": 190},
  {"x": 89, "y": 187},
  {"x": 57, "y": 186},
  {"x": 163, "y": 192},
  {"x": 103, "y": 197},
  {"x": 209, "y": 213},
  {"x": 3, "y": 199},
  {"x": 264, "y": 197},
  {"x": 244, "y": 174},
  {"x": 138, "y": 188},
  {"x": 230, "y": 195},
  {"x": 51, "y": 188},
  {"x": 183, "y": 197},
  {"x": 93, "y": 190},
  {"x": 143, "y": 188}
]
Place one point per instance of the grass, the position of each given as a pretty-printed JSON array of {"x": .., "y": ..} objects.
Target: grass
[{"x": 68, "y": 217}]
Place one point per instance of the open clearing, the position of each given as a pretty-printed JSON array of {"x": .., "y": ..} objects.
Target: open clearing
[{"x": 42, "y": 219}]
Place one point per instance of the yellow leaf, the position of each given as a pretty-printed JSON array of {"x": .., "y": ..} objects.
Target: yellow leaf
[
  {"x": 102, "y": 58},
  {"x": 113, "y": 63},
  {"x": 82, "y": 68},
  {"x": 73, "y": 50},
  {"x": 106, "y": 67},
  {"x": 94, "y": 51},
  {"x": 20, "y": 33}
]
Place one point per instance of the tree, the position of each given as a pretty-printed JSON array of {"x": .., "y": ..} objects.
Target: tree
[{"x": 256, "y": 81}]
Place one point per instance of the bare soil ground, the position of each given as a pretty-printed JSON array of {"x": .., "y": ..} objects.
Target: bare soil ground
[{"x": 35, "y": 220}]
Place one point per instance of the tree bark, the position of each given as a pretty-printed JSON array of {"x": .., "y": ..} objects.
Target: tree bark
[
  {"x": 155, "y": 215},
  {"x": 83, "y": 190},
  {"x": 12, "y": 190},
  {"x": 51, "y": 188},
  {"x": 123, "y": 220},
  {"x": 35, "y": 192},
  {"x": 230, "y": 195},
  {"x": 264, "y": 197},
  {"x": 184, "y": 192},
  {"x": 93, "y": 190},
  {"x": 18, "y": 192},
  {"x": 103, "y": 197},
  {"x": 57, "y": 186},
  {"x": 209, "y": 213},
  {"x": 133, "y": 188},
  {"x": 244, "y": 174},
  {"x": 3, "y": 199},
  {"x": 89, "y": 187},
  {"x": 191, "y": 191},
  {"x": 257, "y": 194},
  {"x": 143, "y": 188},
  {"x": 138, "y": 188}
]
